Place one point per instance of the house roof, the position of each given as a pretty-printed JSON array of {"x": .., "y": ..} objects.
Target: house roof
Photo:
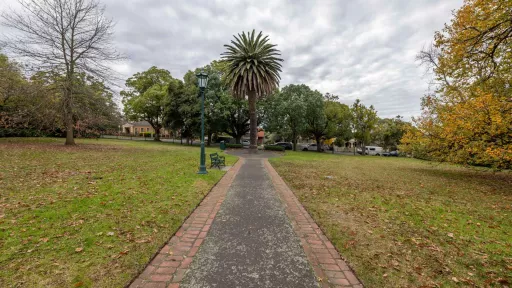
[{"x": 139, "y": 123}]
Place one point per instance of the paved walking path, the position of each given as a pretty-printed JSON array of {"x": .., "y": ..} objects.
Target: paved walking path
[{"x": 250, "y": 231}]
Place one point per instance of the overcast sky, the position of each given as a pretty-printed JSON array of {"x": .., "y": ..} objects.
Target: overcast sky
[{"x": 355, "y": 49}]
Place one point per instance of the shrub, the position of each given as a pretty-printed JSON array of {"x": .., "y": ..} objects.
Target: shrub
[
  {"x": 145, "y": 134},
  {"x": 14, "y": 132},
  {"x": 228, "y": 145},
  {"x": 274, "y": 148}
]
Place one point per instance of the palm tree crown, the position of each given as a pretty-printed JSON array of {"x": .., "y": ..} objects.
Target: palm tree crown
[{"x": 253, "y": 64}]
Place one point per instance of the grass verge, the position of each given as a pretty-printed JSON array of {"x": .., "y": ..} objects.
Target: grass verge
[
  {"x": 94, "y": 214},
  {"x": 408, "y": 223}
]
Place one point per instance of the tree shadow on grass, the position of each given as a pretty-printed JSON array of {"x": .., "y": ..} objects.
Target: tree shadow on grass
[{"x": 496, "y": 182}]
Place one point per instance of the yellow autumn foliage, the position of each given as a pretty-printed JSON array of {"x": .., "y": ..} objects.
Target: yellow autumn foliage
[{"x": 468, "y": 120}]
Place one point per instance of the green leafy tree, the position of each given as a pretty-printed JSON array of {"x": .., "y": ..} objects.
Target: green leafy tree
[
  {"x": 216, "y": 90},
  {"x": 12, "y": 82},
  {"x": 317, "y": 123},
  {"x": 286, "y": 112},
  {"x": 253, "y": 70},
  {"x": 389, "y": 131},
  {"x": 33, "y": 107},
  {"x": 99, "y": 112},
  {"x": 146, "y": 97},
  {"x": 183, "y": 107},
  {"x": 363, "y": 122},
  {"x": 173, "y": 118},
  {"x": 236, "y": 115},
  {"x": 339, "y": 118}
]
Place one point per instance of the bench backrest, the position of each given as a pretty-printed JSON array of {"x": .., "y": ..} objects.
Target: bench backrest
[{"x": 214, "y": 156}]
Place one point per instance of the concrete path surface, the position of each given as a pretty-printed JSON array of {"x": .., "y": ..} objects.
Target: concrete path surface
[
  {"x": 251, "y": 242},
  {"x": 250, "y": 231}
]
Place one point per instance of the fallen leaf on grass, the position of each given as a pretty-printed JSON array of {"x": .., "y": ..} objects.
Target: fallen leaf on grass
[
  {"x": 142, "y": 241},
  {"x": 110, "y": 233},
  {"x": 454, "y": 279},
  {"x": 79, "y": 284},
  {"x": 450, "y": 235},
  {"x": 79, "y": 249}
]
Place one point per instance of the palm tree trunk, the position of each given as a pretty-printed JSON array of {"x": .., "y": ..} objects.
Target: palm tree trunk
[{"x": 253, "y": 147}]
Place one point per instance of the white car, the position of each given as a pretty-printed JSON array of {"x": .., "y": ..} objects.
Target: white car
[
  {"x": 246, "y": 143},
  {"x": 372, "y": 150},
  {"x": 311, "y": 147}
]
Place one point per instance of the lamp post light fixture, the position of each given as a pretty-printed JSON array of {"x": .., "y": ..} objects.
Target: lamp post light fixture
[{"x": 202, "y": 81}]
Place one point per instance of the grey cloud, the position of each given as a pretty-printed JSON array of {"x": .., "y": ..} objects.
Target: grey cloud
[{"x": 356, "y": 49}]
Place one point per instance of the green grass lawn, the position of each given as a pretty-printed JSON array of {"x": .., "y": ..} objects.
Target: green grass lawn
[
  {"x": 94, "y": 214},
  {"x": 409, "y": 223}
]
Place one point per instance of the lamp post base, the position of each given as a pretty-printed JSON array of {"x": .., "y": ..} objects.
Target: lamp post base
[{"x": 202, "y": 170}]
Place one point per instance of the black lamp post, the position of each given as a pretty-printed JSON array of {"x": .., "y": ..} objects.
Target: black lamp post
[{"x": 202, "y": 80}]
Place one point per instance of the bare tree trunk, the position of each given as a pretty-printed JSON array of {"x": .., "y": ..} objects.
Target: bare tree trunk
[
  {"x": 69, "y": 130},
  {"x": 253, "y": 147},
  {"x": 68, "y": 114},
  {"x": 318, "y": 144},
  {"x": 209, "y": 142},
  {"x": 237, "y": 139}
]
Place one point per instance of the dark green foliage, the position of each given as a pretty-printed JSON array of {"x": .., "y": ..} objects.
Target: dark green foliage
[
  {"x": 33, "y": 107},
  {"x": 254, "y": 64},
  {"x": 12, "y": 132}
]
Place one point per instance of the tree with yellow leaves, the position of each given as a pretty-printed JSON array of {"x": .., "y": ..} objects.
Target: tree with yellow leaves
[{"x": 468, "y": 119}]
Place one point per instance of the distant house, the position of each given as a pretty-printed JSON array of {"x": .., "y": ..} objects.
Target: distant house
[
  {"x": 261, "y": 136},
  {"x": 135, "y": 128}
]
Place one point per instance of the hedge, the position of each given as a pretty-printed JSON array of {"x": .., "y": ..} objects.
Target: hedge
[
  {"x": 12, "y": 132},
  {"x": 145, "y": 134},
  {"x": 274, "y": 147},
  {"x": 228, "y": 145}
]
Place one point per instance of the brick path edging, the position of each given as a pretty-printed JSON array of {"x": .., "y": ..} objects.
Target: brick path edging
[
  {"x": 168, "y": 268},
  {"x": 330, "y": 269}
]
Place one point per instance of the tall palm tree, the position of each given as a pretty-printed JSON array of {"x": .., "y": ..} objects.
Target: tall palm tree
[{"x": 253, "y": 70}]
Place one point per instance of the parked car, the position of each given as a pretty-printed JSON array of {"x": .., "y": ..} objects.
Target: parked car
[
  {"x": 311, "y": 147},
  {"x": 246, "y": 143},
  {"x": 390, "y": 154},
  {"x": 371, "y": 150},
  {"x": 285, "y": 145}
]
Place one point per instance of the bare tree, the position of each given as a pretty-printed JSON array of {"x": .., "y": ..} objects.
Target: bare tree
[{"x": 66, "y": 36}]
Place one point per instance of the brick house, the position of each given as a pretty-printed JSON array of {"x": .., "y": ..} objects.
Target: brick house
[
  {"x": 135, "y": 128},
  {"x": 261, "y": 136}
]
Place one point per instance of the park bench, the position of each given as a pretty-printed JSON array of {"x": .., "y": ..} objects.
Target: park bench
[{"x": 217, "y": 160}]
